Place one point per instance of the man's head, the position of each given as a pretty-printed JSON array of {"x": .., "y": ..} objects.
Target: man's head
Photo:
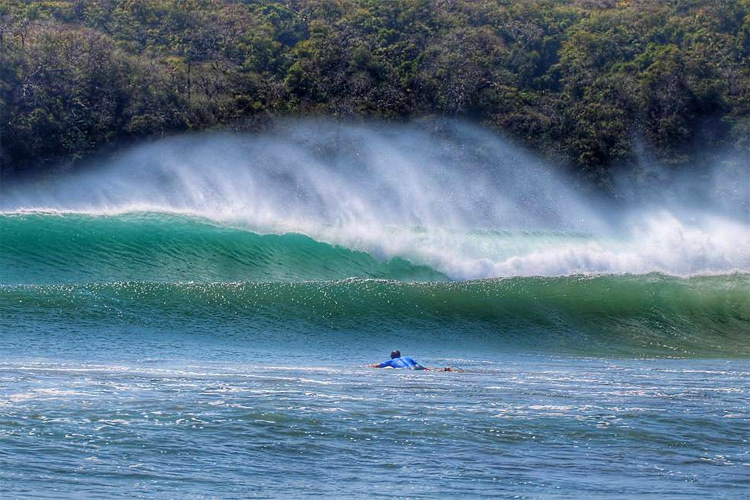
[{"x": 395, "y": 354}]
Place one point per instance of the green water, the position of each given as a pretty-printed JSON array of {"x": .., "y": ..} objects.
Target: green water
[{"x": 174, "y": 270}]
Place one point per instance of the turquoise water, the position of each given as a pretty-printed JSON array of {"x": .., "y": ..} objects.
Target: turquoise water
[{"x": 166, "y": 355}]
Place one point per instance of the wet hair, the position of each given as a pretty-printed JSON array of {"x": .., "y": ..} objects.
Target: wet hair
[{"x": 395, "y": 354}]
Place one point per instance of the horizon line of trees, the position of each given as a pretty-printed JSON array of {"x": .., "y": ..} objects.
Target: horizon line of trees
[{"x": 588, "y": 83}]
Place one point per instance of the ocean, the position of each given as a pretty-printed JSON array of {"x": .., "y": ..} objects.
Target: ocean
[{"x": 196, "y": 319}]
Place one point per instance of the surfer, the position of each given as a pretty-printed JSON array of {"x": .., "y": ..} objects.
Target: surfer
[{"x": 397, "y": 361}]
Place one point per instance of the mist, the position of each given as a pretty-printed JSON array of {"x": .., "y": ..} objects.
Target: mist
[{"x": 457, "y": 197}]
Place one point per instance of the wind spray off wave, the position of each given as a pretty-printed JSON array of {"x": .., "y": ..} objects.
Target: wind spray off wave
[{"x": 462, "y": 202}]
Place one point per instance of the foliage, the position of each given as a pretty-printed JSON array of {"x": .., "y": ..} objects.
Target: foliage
[{"x": 583, "y": 81}]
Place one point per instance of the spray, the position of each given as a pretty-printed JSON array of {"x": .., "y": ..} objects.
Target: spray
[{"x": 463, "y": 201}]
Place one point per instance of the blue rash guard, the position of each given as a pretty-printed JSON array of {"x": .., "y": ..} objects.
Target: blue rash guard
[{"x": 404, "y": 362}]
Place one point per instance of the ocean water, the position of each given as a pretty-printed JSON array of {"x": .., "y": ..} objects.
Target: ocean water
[
  {"x": 119, "y": 377},
  {"x": 515, "y": 425},
  {"x": 196, "y": 320}
]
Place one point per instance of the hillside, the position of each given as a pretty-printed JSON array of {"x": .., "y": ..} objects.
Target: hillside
[{"x": 588, "y": 83}]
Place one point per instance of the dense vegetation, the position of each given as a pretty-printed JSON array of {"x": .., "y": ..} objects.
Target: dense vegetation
[{"x": 588, "y": 82}]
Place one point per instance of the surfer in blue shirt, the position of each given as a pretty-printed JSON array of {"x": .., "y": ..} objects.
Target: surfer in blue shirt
[{"x": 397, "y": 361}]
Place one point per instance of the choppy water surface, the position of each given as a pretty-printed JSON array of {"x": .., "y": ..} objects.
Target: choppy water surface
[{"x": 525, "y": 425}]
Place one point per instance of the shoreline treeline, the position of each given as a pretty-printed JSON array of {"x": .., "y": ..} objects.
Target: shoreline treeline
[{"x": 589, "y": 83}]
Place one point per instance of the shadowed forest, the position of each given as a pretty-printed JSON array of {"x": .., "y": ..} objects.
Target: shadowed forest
[{"x": 589, "y": 84}]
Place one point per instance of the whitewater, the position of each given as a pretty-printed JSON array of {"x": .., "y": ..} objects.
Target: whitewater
[
  {"x": 194, "y": 316},
  {"x": 462, "y": 201}
]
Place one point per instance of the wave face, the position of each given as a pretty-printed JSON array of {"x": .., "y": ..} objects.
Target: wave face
[
  {"x": 642, "y": 315},
  {"x": 334, "y": 232},
  {"x": 75, "y": 248}
]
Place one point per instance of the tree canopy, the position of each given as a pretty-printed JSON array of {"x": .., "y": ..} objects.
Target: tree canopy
[{"x": 589, "y": 83}]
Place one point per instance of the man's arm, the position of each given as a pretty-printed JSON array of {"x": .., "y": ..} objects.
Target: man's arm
[{"x": 384, "y": 364}]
